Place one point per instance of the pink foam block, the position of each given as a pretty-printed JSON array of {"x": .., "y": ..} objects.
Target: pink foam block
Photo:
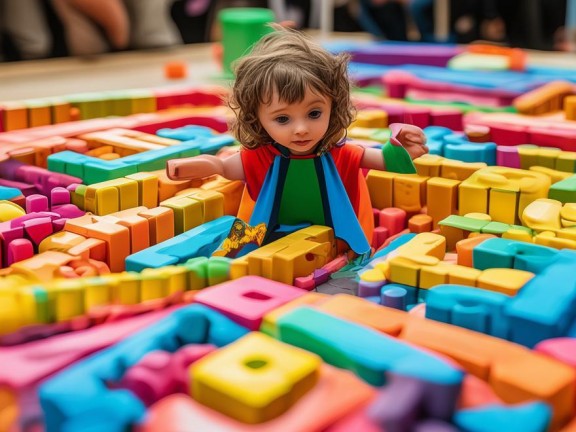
[
  {"x": 38, "y": 229},
  {"x": 18, "y": 250},
  {"x": 562, "y": 349},
  {"x": 36, "y": 203},
  {"x": 59, "y": 196},
  {"x": 508, "y": 156},
  {"x": 394, "y": 219},
  {"x": 248, "y": 299},
  {"x": 181, "y": 361}
]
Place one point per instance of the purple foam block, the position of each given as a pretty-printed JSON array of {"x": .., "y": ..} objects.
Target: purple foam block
[
  {"x": 433, "y": 425},
  {"x": 394, "y": 298},
  {"x": 398, "y": 406},
  {"x": 370, "y": 289}
]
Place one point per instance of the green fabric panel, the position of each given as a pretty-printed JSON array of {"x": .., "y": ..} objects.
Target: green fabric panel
[{"x": 301, "y": 198}]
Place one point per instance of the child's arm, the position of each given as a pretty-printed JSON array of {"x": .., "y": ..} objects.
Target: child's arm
[
  {"x": 205, "y": 166},
  {"x": 410, "y": 137}
]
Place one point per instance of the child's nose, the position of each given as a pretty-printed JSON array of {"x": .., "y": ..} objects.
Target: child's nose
[{"x": 301, "y": 128}]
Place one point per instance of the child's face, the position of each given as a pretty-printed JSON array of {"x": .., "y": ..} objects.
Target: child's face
[{"x": 299, "y": 126}]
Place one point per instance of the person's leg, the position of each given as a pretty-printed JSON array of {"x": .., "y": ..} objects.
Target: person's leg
[
  {"x": 152, "y": 24},
  {"x": 422, "y": 12},
  {"x": 83, "y": 37},
  {"x": 26, "y": 24},
  {"x": 386, "y": 20}
]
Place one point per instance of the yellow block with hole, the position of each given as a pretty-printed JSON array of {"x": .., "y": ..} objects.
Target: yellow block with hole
[
  {"x": 502, "y": 280},
  {"x": 254, "y": 379}
]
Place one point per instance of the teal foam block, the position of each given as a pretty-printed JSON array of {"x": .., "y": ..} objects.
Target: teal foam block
[
  {"x": 366, "y": 352},
  {"x": 469, "y": 307},
  {"x": 505, "y": 253},
  {"x": 76, "y": 395},
  {"x": 546, "y": 306},
  {"x": 200, "y": 241},
  {"x": 528, "y": 417}
]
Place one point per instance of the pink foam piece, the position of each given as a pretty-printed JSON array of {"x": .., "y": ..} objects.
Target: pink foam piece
[
  {"x": 247, "y": 299},
  {"x": 336, "y": 264},
  {"x": 562, "y": 349},
  {"x": 379, "y": 236},
  {"x": 394, "y": 219},
  {"x": 18, "y": 250},
  {"x": 549, "y": 137},
  {"x": 451, "y": 119},
  {"x": 305, "y": 282},
  {"x": 509, "y": 135},
  {"x": 376, "y": 214},
  {"x": 68, "y": 211},
  {"x": 507, "y": 156},
  {"x": 19, "y": 221},
  {"x": 38, "y": 229},
  {"x": 181, "y": 361},
  {"x": 25, "y": 365},
  {"x": 151, "y": 378},
  {"x": 36, "y": 203},
  {"x": 59, "y": 196}
]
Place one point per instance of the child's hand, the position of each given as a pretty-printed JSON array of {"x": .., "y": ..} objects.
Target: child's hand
[
  {"x": 410, "y": 137},
  {"x": 193, "y": 168}
]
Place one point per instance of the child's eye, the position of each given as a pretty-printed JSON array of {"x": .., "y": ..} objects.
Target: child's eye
[
  {"x": 282, "y": 119},
  {"x": 315, "y": 114}
]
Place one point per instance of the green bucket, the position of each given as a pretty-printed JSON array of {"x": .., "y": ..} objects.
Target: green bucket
[{"x": 242, "y": 28}]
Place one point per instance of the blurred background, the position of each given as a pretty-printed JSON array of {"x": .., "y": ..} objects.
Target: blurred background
[{"x": 38, "y": 29}]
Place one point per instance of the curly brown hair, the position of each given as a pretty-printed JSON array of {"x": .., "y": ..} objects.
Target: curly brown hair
[{"x": 289, "y": 62}]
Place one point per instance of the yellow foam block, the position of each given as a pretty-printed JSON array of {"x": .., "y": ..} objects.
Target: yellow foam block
[
  {"x": 568, "y": 215},
  {"x": 10, "y": 210},
  {"x": 406, "y": 271},
  {"x": 505, "y": 281},
  {"x": 424, "y": 244},
  {"x": 299, "y": 259},
  {"x": 61, "y": 241},
  {"x": 472, "y": 198},
  {"x": 188, "y": 213},
  {"x": 503, "y": 206},
  {"x": 147, "y": 188},
  {"x": 381, "y": 188},
  {"x": 548, "y": 238},
  {"x": 101, "y": 199},
  {"x": 254, "y": 379},
  {"x": 371, "y": 118},
  {"x": 270, "y": 320},
  {"x": 428, "y": 165},
  {"x": 458, "y": 170},
  {"x": 124, "y": 287},
  {"x": 442, "y": 198},
  {"x": 97, "y": 292},
  {"x": 517, "y": 234},
  {"x": 430, "y": 276},
  {"x": 373, "y": 275},
  {"x": 68, "y": 298},
  {"x": 212, "y": 203},
  {"x": 462, "y": 275},
  {"x": 555, "y": 175},
  {"x": 566, "y": 161},
  {"x": 542, "y": 215},
  {"x": 410, "y": 192}
]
